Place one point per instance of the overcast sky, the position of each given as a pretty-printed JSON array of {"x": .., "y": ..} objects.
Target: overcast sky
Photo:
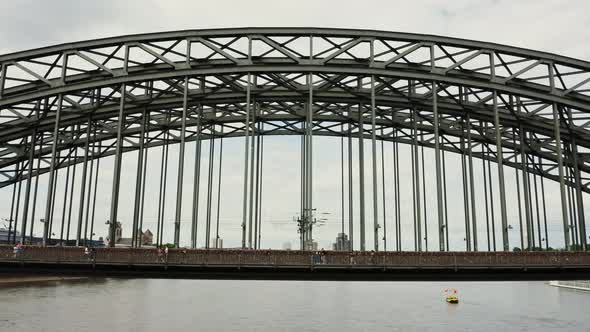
[{"x": 553, "y": 26}]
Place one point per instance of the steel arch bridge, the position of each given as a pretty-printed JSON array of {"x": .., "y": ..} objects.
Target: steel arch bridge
[{"x": 79, "y": 102}]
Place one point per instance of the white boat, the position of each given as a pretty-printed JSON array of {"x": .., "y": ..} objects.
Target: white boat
[{"x": 573, "y": 284}]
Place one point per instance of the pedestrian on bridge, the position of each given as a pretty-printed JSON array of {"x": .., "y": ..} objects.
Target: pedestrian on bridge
[
  {"x": 160, "y": 255},
  {"x": 17, "y": 250},
  {"x": 317, "y": 258},
  {"x": 352, "y": 260}
]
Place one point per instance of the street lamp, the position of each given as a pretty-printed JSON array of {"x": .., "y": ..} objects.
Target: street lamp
[{"x": 306, "y": 219}]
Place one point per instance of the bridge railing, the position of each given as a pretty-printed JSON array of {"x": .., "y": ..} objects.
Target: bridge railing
[{"x": 224, "y": 257}]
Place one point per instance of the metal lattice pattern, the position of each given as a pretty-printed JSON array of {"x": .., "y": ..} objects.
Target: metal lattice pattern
[{"x": 516, "y": 107}]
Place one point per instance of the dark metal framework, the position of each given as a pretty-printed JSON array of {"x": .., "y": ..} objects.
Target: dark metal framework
[{"x": 515, "y": 107}]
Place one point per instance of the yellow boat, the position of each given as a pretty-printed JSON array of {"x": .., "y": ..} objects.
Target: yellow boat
[
  {"x": 452, "y": 299},
  {"x": 451, "y": 296}
]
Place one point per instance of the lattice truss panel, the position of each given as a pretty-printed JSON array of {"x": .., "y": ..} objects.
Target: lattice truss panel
[{"x": 542, "y": 100}]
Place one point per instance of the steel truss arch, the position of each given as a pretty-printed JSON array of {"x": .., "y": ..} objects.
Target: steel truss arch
[
  {"x": 331, "y": 99},
  {"x": 517, "y": 103},
  {"x": 131, "y": 134}
]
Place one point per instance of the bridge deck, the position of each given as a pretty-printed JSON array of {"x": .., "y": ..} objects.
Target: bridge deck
[{"x": 298, "y": 265}]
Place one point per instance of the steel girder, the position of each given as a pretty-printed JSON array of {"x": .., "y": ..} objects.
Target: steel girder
[{"x": 84, "y": 81}]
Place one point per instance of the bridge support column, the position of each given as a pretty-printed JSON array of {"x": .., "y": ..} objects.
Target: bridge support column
[
  {"x": 558, "y": 151},
  {"x": 252, "y": 228},
  {"x": 538, "y": 214},
  {"x": 374, "y": 168},
  {"x": 257, "y": 189},
  {"x": 70, "y": 204},
  {"x": 18, "y": 194},
  {"x": 572, "y": 210},
  {"x": 35, "y": 191},
  {"x": 465, "y": 193},
  {"x": 180, "y": 178},
  {"x": 90, "y": 186},
  {"x": 309, "y": 151},
  {"x": 444, "y": 179},
  {"x": 397, "y": 204},
  {"x": 383, "y": 191},
  {"x": 197, "y": 177},
  {"x": 544, "y": 209},
  {"x": 144, "y": 172},
  {"x": 526, "y": 185},
  {"x": 499, "y": 161},
  {"x": 342, "y": 178},
  {"x": 163, "y": 184},
  {"x": 139, "y": 183},
  {"x": 261, "y": 182},
  {"x": 219, "y": 191},
  {"x": 302, "y": 212},
  {"x": 579, "y": 198},
  {"x": 54, "y": 191},
  {"x": 246, "y": 155},
  {"x": 210, "y": 190},
  {"x": 361, "y": 175},
  {"x": 28, "y": 187},
  {"x": 439, "y": 199},
  {"x": 259, "y": 177},
  {"x": 52, "y": 172},
  {"x": 558, "y": 143},
  {"x": 83, "y": 184},
  {"x": 416, "y": 185},
  {"x": 94, "y": 197},
  {"x": 350, "y": 184},
  {"x": 65, "y": 200},
  {"x": 117, "y": 170},
  {"x": 519, "y": 203},
  {"x": 422, "y": 168},
  {"x": 489, "y": 203},
  {"x": 471, "y": 184}
]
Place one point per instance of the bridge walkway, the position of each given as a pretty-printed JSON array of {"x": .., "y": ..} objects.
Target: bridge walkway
[{"x": 287, "y": 264}]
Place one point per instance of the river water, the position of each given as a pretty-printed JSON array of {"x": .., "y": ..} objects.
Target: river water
[{"x": 214, "y": 305}]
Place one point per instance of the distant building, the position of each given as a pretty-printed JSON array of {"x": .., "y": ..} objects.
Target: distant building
[
  {"x": 287, "y": 246},
  {"x": 311, "y": 245},
  {"x": 342, "y": 243},
  {"x": 145, "y": 238},
  {"x": 216, "y": 243}
]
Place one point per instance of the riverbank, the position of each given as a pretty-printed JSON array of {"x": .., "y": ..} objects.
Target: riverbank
[{"x": 18, "y": 280}]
